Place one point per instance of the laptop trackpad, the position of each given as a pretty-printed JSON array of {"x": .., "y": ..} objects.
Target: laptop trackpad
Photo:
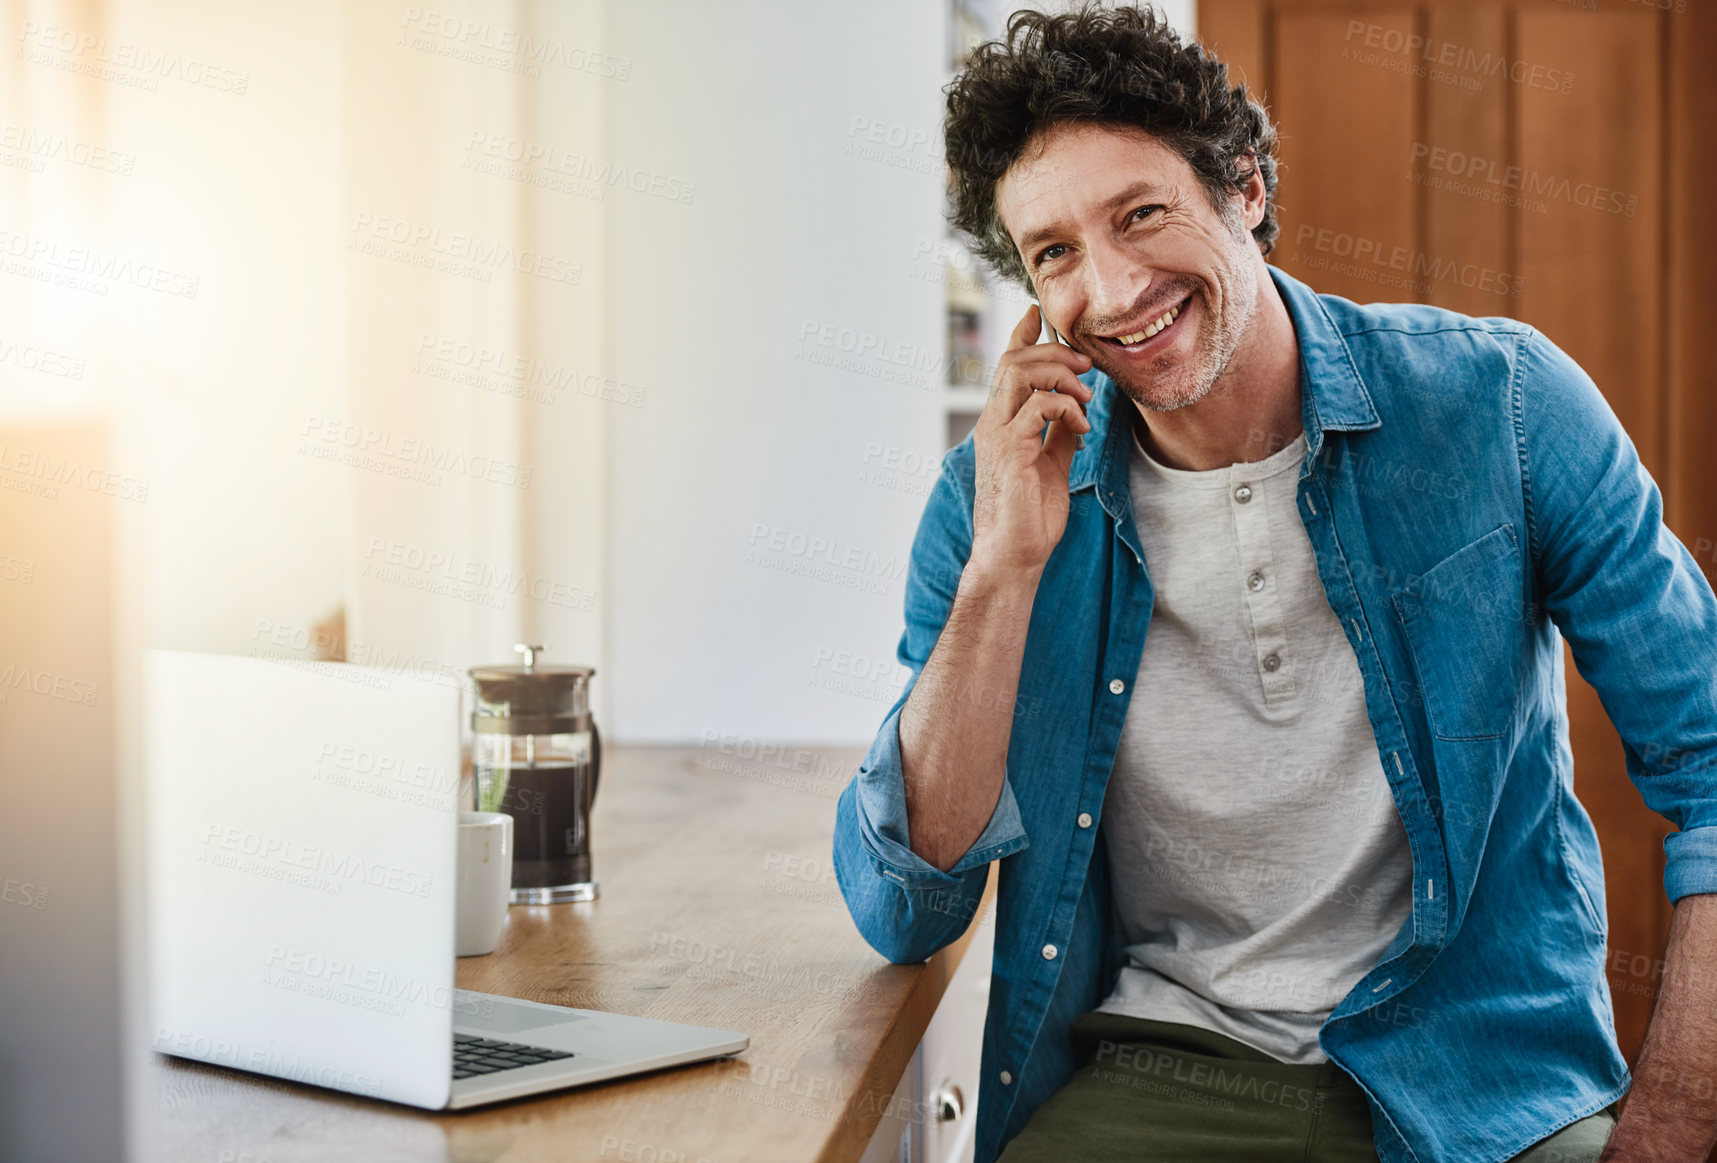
[{"x": 488, "y": 1013}]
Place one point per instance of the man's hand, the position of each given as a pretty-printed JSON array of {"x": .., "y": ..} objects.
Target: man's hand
[
  {"x": 1019, "y": 511},
  {"x": 1671, "y": 1111}
]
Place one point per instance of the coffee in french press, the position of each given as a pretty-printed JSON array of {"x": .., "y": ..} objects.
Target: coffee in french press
[{"x": 536, "y": 755}]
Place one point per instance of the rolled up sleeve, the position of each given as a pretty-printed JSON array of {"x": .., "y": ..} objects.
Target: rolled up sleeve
[
  {"x": 1639, "y": 615},
  {"x": 904, "y": 906},
  {"x": 879, "y": 789}
]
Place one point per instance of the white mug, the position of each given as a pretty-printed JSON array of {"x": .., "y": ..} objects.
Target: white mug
[{"x": 485, "y": 876}]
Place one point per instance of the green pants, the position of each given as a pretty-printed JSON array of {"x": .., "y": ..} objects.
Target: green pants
[{"x": 1163, "y": 1092}]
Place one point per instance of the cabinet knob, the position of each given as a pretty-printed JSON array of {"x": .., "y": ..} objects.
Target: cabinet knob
[{"x": 948, "y": 1102}]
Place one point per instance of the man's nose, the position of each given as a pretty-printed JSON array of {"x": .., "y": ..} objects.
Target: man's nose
[{"x": 1115, "y": 282}]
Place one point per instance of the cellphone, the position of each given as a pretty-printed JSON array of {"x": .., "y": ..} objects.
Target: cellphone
[{"x": 1055, "y": 337}]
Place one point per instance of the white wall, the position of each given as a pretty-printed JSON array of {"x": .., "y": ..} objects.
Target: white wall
[
  {"x": 799, "y": 222},
  {"x": 1183, "y": 14},
  {"x": 243, "y": 192},
  {"x": 352, "y": 116},
  {"x": 460, "y": 145}
]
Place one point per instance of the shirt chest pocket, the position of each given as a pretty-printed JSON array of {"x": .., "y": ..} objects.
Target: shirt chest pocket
[{"x": 1464, "y": 622}]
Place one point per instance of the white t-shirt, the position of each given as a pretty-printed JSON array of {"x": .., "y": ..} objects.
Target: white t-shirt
[{"x": 1259, "y": 863}]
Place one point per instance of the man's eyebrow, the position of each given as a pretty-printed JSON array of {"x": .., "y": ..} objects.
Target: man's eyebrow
[{"x": 1143, "y": 188}]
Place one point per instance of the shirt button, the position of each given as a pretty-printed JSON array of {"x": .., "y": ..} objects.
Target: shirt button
[
  {"x": 1084, "y": 819},
  {"x": 1007, "y": 1079},
  {"x": 1049, "y": 952},
  {"x": 1271, "y": 662},
  {"x": 1116, "y": 686},
  {"x": 1243, "y": 494},
  {"x": 1256, "y": 581}
]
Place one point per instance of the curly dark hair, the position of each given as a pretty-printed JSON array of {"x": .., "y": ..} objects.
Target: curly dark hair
[{"x": 1124, "y": 67}]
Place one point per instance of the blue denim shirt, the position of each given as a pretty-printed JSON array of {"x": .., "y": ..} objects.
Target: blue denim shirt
[{"x": 1471, "y": 499}]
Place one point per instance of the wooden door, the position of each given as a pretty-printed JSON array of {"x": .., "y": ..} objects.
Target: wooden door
[{"x": 1537, "y": 159}]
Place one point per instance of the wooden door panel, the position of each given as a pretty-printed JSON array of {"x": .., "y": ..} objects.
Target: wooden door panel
[
  {"x": 1235, "y": 31},
  {"x": 1454, "y": 165},
  {"x": 1591, "y": 156},
  {"x": 1347, "y": 229},
  {"x": 1691, "y": 412}
]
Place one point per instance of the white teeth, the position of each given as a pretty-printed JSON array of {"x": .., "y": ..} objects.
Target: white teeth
[{"x": 1168, "y": 317}]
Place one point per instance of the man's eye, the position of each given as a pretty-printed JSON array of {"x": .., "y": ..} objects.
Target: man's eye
[
  {"x": 1144, "y": 212},
  {"x": 1049, "y": 253}
]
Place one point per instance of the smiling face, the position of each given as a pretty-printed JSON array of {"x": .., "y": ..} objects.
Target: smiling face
[{"x": 1132, "y": 263}]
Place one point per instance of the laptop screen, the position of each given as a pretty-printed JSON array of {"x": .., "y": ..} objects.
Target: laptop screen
[{"x": 302, "y": 828}]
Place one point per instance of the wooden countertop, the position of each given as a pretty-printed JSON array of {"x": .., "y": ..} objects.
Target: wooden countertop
[{"x": 718, "y": 907}]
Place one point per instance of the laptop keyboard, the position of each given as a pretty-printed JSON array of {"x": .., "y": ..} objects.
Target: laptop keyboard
[{"x": 473, "y": 1055}]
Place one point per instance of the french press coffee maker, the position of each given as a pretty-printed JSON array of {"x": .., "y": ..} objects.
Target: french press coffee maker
[{"x": 536, "y": 755}]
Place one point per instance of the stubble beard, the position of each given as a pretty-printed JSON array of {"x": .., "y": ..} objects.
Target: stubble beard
[{"x": 1193, "y": 379}]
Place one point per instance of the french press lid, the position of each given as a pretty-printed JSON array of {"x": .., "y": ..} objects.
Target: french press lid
[{"x": 531, "y": 699}]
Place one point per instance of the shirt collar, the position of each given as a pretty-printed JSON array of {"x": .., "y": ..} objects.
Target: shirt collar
[{"x": 1333, "y": 396}]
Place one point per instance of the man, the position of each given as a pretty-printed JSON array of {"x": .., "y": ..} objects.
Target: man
[{"x": 1257, "y": 697}]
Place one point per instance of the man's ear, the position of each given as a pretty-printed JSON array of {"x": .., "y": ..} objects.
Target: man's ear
[{"x": 1254, "y": 195}]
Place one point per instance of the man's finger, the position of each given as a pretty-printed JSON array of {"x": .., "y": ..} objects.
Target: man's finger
[
  {"x": 1017, "y": 383},
  {"x": 1030, "y": 327},
  {"x": 1042, "y": 409},
  {"x": 1054, "y": 352},
  {"x": 1030, "y": 363}
]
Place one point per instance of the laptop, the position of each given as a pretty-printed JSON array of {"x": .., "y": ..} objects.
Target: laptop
[{"x": 302, "y": 833}]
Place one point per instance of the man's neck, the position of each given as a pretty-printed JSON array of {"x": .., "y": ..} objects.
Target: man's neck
[{"x": 1253, "y": 409}]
